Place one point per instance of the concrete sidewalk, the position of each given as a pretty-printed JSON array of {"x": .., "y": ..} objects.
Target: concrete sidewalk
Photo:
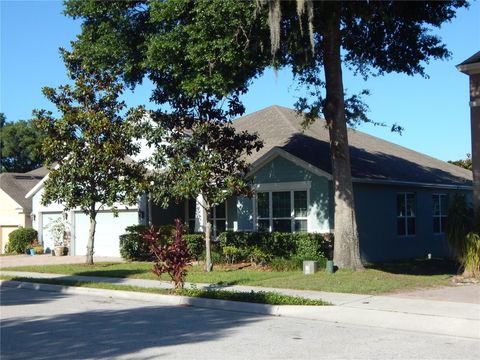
[{"x": 410, "y": 314}]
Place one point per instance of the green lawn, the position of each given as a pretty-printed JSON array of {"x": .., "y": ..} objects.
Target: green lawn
[
  {"x": 261, "y": 297},
  {"x": 376, "y": 279}
]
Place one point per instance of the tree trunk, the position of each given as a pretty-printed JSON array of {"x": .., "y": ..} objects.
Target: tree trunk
[
  {"x": 346, "y": 252},
  {"x": 208, "y": 250},
  {"x": 91, "y": 237},
  {"x": 475, "y": 134}
]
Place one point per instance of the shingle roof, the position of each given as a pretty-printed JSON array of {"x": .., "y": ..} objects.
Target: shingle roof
[
  {"x": 17, "y": 185},
  {"x": 371, "y": 158},
  {"x": 475, "y": 58},
  {"x": 41, "y": 171}
]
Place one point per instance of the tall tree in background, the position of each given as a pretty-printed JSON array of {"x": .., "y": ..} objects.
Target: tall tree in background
[
  {"x": 20, "y": 146},
  {"x": 204, "y": 158},
  {"x": 90, "y": 142},
  {"x": 464, "y": 163},
  {"x": 200, "y": 52}
]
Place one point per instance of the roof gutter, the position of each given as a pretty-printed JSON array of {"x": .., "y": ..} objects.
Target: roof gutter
[{"x": 412, "y": 183}]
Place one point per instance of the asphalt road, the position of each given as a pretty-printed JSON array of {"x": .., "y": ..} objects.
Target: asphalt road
[{"x": 50, "y": 325}]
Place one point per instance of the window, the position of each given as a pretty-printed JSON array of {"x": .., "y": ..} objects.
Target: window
[
  {"x": 406, "y": 214},
  {"x": 218, "y": 215},
  {"x": 439, "y": 212},
  {"x": 192, "y": 209},
  {"x": 284, "y": 211}
]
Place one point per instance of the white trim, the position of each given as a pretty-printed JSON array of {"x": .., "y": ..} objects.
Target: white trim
[
  {"x": 469, "y": 69},
  {"x": 283, "y": 186},
  {"x": 37, "y": 187},
  {"x": 276, "y": 152}
]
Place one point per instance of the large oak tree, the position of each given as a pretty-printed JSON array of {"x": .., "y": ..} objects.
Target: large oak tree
[{"x": 200, "y": 52}]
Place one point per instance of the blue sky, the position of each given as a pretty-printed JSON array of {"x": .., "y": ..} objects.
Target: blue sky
[{"x": 434, "y": 111}]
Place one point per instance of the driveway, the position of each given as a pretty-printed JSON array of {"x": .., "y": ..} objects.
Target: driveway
[
  {"x": 47, "y": 259},
  {"x": 53, "y": 325}
]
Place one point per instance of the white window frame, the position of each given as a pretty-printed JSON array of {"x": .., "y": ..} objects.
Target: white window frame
[
  {"x": 442, "y": 217},
  {"x": 406, "y": 217},
  {"x": 290, "y": 187}
]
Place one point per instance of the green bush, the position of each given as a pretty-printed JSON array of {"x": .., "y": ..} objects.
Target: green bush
[
  {"x": 472, "y": 254},
  {"x": 196, "y": 245},
  {"x": 20, "y": 240},
  {"x": 134, "y": 247},
  {"x": 260, "y": 248},
  {"x": 282, "y": 264}
]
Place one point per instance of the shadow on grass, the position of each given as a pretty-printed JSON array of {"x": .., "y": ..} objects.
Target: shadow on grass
[
  {"x": 418, "y": 267},
  {"x": 114, "y": 273},
  {"x": 108, "y": 329}
]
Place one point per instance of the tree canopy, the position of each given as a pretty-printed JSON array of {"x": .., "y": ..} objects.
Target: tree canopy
[
  {"x": 20, "y": 146},
  {"x": 202, "y": 55},
  {"x": 91, "y": 143}
]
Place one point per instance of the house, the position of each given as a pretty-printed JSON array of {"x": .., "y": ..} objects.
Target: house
[
  {"x": 15, "y": 209},
  {"x": 108, "y": 229},
  {"x": 401, "y": 196}
]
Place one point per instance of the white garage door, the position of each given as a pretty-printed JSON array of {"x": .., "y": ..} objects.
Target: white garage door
[
  {"x": 47, "y": 218},
  {"x": 108, "y": 229}
]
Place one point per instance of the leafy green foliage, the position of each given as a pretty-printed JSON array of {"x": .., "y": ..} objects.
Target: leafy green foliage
[
  {"x": 472, "y": 254},
  {"x": 458, "y": 224},
  {"x": 195, "y": 244},
  {"x": 91, "y": 142},
  {"x": 171, "y": 258},
  {"x": 258, "y": 297},
  {"x": 20, "y": 146},
  {"x": 134, "y": 247},
  {"x": 464, "y": 163},
  {"x": 20, "y": 240}
]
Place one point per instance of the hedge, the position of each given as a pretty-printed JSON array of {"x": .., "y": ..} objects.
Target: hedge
[{"x": 263, "y": 247}]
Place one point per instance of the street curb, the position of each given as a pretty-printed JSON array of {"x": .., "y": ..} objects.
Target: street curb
[{"x": 431, "y": 324}]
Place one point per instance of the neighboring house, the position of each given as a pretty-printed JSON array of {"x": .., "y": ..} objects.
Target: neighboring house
[
  {"x": 401, "y": 196},
  {"x": 15, "y": 209},
  {"x": 108, "y": 228}
]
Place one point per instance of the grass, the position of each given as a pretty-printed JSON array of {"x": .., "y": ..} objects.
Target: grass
[
  {"x": 375, "y": 279},
  {"x": 261, "y": 297}
]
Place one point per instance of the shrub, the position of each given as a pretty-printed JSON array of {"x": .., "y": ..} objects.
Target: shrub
[
  {"x": 233, "y": 254},
  {"x": 458, "y": 224},
  {"x": 133, "y": 246},
  {"x": 169, "y": 257},
  {"x": 196, "y": 245},
  {"x": 282, "y": 264},
  {"x": 21, "y": 239},
  {"x": 264, "y": 247},
  {"x": 472, "y": 254}
]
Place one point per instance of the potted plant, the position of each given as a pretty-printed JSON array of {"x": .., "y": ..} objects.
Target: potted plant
[{"x": 56, "y": 229}]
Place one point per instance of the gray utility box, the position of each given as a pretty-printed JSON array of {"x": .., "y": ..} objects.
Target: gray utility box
[{"x": 310, "y": 267}]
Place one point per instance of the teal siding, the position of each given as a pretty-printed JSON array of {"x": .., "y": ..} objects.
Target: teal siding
[
  {"x": 281, "y": 170},
  {"x": 377, "y": 224}
]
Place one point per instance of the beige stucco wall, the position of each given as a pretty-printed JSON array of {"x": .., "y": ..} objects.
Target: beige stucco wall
[{"x": 11, "y": 217}]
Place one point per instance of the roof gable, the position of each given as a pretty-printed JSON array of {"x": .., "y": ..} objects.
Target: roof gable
[{"x": 17, "y": 185}]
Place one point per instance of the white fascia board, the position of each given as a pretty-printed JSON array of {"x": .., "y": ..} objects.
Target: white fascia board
[
  {"x": 275, "y": 152},
  {"x": 469, "y": 69},
  {"x": 36, "y": 188}
]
